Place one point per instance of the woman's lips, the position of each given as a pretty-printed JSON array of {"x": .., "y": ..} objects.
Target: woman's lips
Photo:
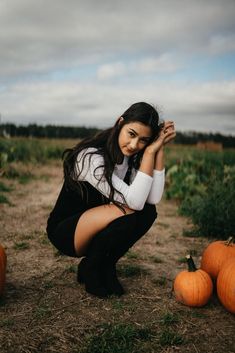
[{"x": 130, "y": 151}]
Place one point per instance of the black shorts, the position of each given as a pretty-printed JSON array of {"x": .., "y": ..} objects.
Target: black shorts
[
  {"x": 63, "y": 219},
  {"x": 62, "y": 236}
]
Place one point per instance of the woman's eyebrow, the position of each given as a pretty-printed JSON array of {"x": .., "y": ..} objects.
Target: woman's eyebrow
[
  {"x": 144, "y": 137},
  {"x": 132, "y": 130}
]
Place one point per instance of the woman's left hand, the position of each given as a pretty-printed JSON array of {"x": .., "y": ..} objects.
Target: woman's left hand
[{"x": 168, "y": 132}]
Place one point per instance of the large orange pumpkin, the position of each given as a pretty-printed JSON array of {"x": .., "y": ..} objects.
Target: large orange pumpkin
[
  {"x": 226, "y": 285},
  {"x": 215, "y": 255},
  {"x": 193, "y": 287},
  {"x": 3, "y": 263}
]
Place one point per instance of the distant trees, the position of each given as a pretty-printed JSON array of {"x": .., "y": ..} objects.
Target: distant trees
[
  {"x": 193, "y": 137},
  {"x": 49, "y": 131},
  {"x": 57, "y": 131}
]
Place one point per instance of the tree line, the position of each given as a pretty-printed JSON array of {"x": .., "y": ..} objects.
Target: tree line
[{"x": 60, "y": 131}]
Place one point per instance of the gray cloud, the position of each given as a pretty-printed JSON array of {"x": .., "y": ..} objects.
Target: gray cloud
[
  {"x": 41, "y": 36},
  {"x": 191, "y": 107},
  {"x": 123, "y": 42}
]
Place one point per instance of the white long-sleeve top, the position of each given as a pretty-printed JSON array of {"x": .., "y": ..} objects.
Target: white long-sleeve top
[{"x": 143, "y": 187}]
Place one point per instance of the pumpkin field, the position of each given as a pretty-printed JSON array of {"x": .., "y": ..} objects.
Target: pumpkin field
[{"x": 44, "y": 309}]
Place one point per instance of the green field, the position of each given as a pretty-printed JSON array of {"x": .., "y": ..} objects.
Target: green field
[{"x": 203, "y": 182}]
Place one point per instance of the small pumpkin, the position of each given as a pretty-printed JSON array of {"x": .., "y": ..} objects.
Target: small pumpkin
[
  {"x": 193, "y": 287},
  {"x": 3, "y": 264},
  {"x": 215, "y": 254},
  {"x": 226, "y": 285}
]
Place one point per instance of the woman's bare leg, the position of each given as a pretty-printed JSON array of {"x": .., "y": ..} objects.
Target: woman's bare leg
[{"x": 93, "y": 221}]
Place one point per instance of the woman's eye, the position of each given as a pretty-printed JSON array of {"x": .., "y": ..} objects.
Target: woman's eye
[{"x": 131, "y": 134}]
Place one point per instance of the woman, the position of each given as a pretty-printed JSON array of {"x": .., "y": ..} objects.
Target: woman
[{"x": 112, "y": 183}]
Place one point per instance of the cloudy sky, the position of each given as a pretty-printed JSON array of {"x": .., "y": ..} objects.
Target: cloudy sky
[{"x": 75, "y": 62}]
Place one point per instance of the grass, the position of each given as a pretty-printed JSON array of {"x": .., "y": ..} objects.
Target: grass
[
  {"x": 42, "y": 312},
  {"x": 4, "y": 199},
  {"x": 6, "y": 323},
  {"x": 156, "y": 259},
  {"x": 130, "y": 338},
  {"x": 170, "y": 338},
  {"x": 118, "y": 305},
  {"x": 19, "y": 172},
  {"x": 21, "y": 246},
  {"x": 127, "y": 270},
  {"x": 4, "y": 188},
  {"x": 193, "y": 252},
  {"x": 161, "y": 281},
  {"x": 48, "y": 285},
  {"x": 116, "y": 338},
  {"x": 182, "y": 260},
  {"x": 163, "y": 225},
  {"x": 169, "y": 318},
  {"x": 71, "y": 269},
  {"x": 45, "y": 241},
  {"x": 132, "y": 255},
  {"x": 31, "y": 150},
  {"x": 192, "y": 233}
]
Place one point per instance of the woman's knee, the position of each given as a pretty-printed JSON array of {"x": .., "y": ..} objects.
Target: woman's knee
[
  {"x": 145, "y": 218},
  {"x": 149, "y": 212}
]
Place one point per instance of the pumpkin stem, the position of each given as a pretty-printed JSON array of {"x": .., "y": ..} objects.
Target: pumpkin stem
[
  {"x": 229, "y": 241},
  {"x": 191, "y": 264}
]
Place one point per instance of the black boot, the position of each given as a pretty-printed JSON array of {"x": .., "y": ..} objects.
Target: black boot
[
  {"x": 89, "y": 273},
  {"x": 97, "y": 269},
  {"x": 110, "y": 279},
  {"x": 134, "y": 226}
]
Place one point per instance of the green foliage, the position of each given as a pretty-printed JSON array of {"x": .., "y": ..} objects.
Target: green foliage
[
  {"x": 29, "y": 150},
  {"x": 214, "y": 214},
  {"x": 169, "y": 338},
  {"x": 21, "y": 246},
  {"x": 22, "y": 175},
  {"x": 127, "y": 270},
  {"x": 169, "y": 318},
  {"x": 116, "y": 338},
  {"x": 161, "y": 281},
  {"x": 204, "y": 184},
  {"x": 7, "y": 323},
  {"x": 4, "y": 199},
  {"x": 4, "y": 188}
]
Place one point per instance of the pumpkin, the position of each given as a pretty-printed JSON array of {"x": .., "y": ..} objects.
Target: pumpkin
[
  {"x": 226, "y": 285},
  {"x": 193, "y": 287},
  {"x": 215, "y": 255},
  {"x": 3, "y": 263}
]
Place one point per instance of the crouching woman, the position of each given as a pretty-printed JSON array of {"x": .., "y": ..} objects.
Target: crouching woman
[{"x": 112, "y": 183}]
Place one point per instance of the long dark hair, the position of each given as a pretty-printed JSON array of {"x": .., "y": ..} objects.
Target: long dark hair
[{"x": 106, "y": 144}]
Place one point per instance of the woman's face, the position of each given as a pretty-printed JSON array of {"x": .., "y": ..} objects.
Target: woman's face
[{"x": 133, "y": 137}]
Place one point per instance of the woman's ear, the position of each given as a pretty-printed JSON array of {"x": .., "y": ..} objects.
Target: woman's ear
[{"x": 120, "y": 120}]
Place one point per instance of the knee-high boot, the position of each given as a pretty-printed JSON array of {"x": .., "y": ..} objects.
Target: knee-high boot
[
  {"x": 142, "y": 222},
  {"x": 92, "y": 268},
  {"x": 98, "y": 269}
]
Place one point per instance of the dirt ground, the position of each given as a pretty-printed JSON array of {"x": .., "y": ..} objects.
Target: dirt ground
[{"x": 44, "y": 309}]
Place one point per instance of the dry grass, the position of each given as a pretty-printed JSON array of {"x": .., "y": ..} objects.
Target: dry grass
[{"x": 44, "y": 309}]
